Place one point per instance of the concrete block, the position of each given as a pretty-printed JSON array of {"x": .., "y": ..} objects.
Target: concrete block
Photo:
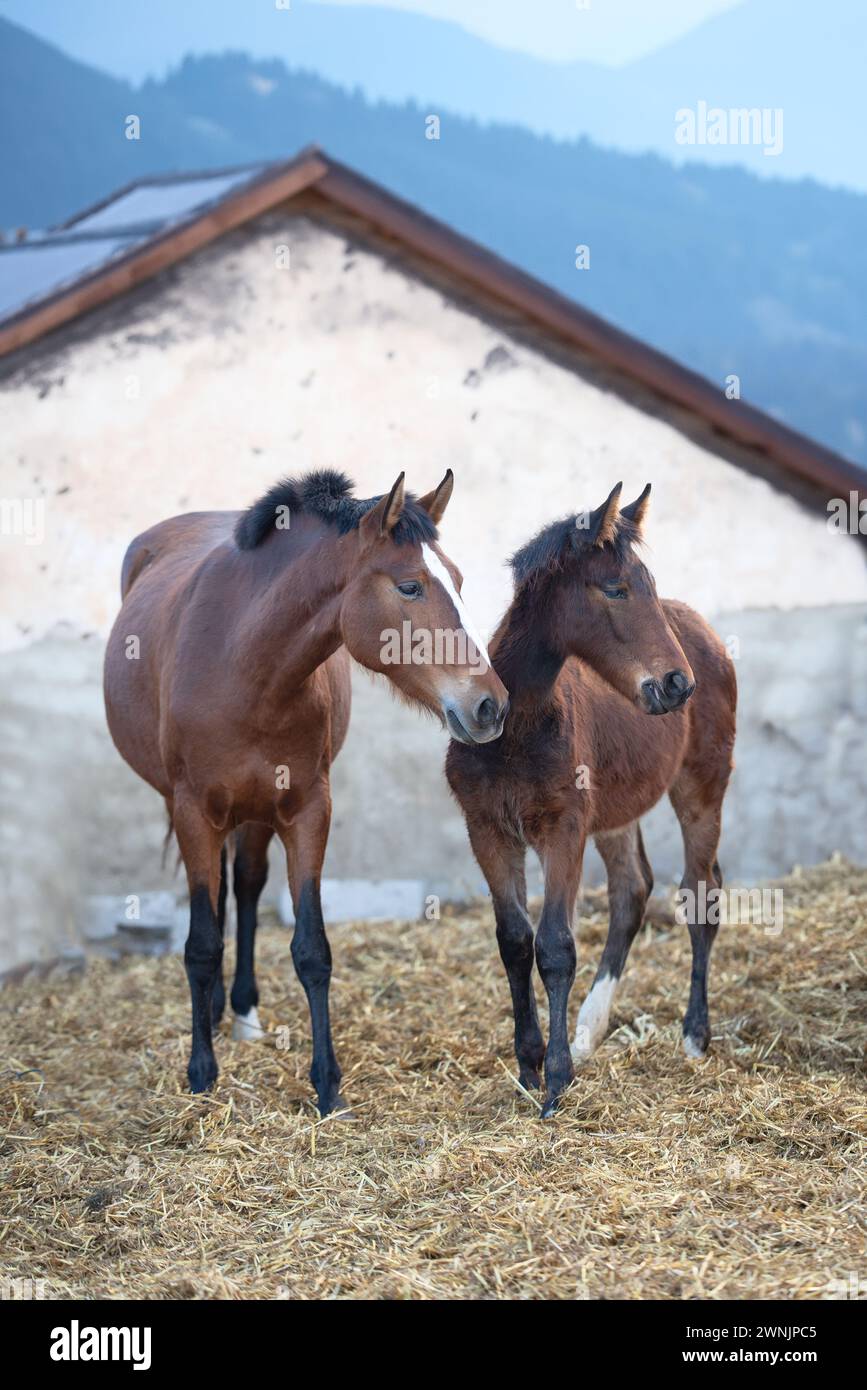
[
  {"x": 136, "y": 923},
  {"x": 103, "y": 914},
  {"x": 373, "y": 900}
]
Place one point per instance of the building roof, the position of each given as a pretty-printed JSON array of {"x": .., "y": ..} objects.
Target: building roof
[
  {"x": 47, "y": 267},
  {"x": 51, "y": 279}
]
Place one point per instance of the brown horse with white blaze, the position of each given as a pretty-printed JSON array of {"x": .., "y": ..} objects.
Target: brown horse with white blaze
[
  {"x": 233, "y": 701},
  {"x": 588, "y": 652}
]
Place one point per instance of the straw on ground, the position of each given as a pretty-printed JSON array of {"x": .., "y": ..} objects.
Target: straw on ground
[{"x": 738, "y": 1177}]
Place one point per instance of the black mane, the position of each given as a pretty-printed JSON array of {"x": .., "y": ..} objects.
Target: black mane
[
  {"x": 550, "y": 551},
  {"x": 326, "y": 493}
]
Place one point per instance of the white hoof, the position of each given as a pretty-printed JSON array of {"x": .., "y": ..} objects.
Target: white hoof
[
  {"x": 581, "y": 1052},
  {"x": 693, "y": 1049},
  {"x": 246, "y": 1027},
  {"x": 585, "y": 1043}
]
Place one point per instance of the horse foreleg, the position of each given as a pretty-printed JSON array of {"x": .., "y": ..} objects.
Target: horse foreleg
[
  {"x": 305, "y": 839},
  {"x": 630, "y": 881},
  {"x": 501, "y": 860},
  {"x": 218, "y": 998},
  {"x": 200, "y": 845},
  {"x": 561, "y": 850},
  {"x": 249, "y": 876}
]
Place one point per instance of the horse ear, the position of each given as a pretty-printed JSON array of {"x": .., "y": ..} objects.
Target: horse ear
[
  {"x": 637, "y": 510},
  {"x": 382, "y": 519},
  {"x": 436, "y": 502},
  {"x": 603, "y": 522}
]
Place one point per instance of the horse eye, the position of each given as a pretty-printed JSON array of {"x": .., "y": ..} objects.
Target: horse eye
[
  {"x": 614, "y": 591},
  {"x": 412, "y": 589}
]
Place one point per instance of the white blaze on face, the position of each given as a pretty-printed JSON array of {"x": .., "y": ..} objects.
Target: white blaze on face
[{"x": 439, "y": 571}]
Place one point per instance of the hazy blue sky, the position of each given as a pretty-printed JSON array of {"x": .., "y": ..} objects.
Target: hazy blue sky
[
  {"x": 134, "y": 38},
  {"x": 605, "y": 31}
]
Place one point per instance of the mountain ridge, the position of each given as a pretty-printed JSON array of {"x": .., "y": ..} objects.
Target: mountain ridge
[
  {"x": 758, "y": 54},
  {"x": 726, "y": 273}
]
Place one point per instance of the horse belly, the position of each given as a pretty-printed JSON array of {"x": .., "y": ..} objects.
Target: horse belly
[
  {"x": 131, "y": 692},
  {"x": 270, "y": 778}
]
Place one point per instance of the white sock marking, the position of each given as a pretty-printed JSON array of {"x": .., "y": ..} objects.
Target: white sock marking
[
  {"x": 439, "y": 571},
  {"x": 246, "y": 1027},
  {"x": 593, "y": 1018}
]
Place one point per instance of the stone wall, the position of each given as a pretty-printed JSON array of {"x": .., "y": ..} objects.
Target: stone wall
[{"x": 77, "y": 822}]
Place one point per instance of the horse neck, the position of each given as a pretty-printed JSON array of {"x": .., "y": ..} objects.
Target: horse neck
[
  {"x": 299, "y": 587},
  {"x": 526, "y": 655}
]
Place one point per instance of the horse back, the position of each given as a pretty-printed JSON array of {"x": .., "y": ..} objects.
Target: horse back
[
  {"x": 708, "y": 656},
  {"x": 189, "y": 536}
]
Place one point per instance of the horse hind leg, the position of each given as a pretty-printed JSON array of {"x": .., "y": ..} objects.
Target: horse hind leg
[
  {"x": 249, "y": 875},
  {"x": 630, "y": 881},
  {"x": 218, "y": 997},
  {"x": 700, "y": 822},
  {"x": 501, "y": 860}
]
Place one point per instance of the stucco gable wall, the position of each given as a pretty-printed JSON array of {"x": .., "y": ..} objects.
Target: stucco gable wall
[{"x": 203, "y": 387}]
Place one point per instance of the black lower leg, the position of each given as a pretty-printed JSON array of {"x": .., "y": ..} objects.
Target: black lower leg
[
  {"x": 203, "y": 955},
  {"x": 556, "y": 959},
  {"x": 311, "y": 955},
  {"x": 249, "y": 880},
  {"x": 624, "y": 924},
  {"x": 515, "y": 940},
  {"x": 696, "y": 1023},
  {"x": 630, "y": 883},
  {"x": 218, "y": 998},
  {"x": 700, "y": 822}
]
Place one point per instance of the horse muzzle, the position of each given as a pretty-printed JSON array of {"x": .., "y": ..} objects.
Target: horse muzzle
[
  {"x": 663, "y": 696},
  {"x": 482, "y": 724}
]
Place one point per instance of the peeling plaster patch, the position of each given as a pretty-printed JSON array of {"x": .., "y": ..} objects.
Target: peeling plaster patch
[
  {"x": 500, "y": 359},
  {"x": 775, "y": 732},
  {"x": 163, "y": 339},
  {"x": 45, "y": 387},
  {"x": 497, "y": 361}
]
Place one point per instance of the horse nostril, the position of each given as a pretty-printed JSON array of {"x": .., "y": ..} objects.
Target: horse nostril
[
  {"x": 675, "y": 684},
  {"x": 652, "y": 694},
  {"x": 486, "y": 713}
]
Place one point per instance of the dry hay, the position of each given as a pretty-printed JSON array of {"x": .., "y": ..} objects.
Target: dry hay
[{"x": 737, "y": 1177}]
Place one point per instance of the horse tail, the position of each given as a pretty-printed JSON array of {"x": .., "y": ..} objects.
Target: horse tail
[
  {"x": 229, "y": 848},
  {"x": 137, "y": 556},
  {"x": 167, "y": 839}
]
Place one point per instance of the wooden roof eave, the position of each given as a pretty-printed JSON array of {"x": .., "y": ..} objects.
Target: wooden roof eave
[{"x": 166, "y": 249}]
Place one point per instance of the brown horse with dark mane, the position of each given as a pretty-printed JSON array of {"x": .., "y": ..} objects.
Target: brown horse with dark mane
[
  {"x": 227, "y": 689},
  {"x": 588, "y": 652}
]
